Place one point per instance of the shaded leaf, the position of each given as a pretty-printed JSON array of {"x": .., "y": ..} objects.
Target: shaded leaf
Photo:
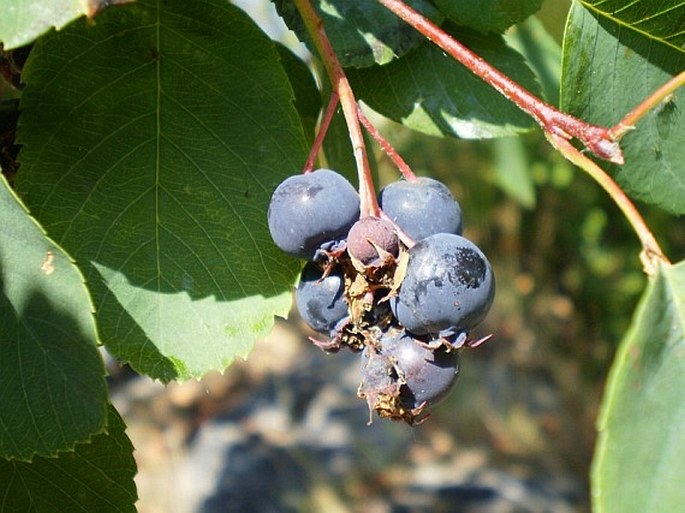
[
  {"x": 430, "y": 92},
  {"x": 663, "y": 20},
  {"x": 542, "y": 53},
  {"x": 152, "y": 141},
  {"x": 363, "y": 32},
  {"x": 52, "y": 379},
  {"x": 488, "y": 15},
  {"x": 307, "y": 96},
  {"x": 607, "y": 71},
  {"x": 640, "y": 457},
  {"x": 96, "y": 476}
]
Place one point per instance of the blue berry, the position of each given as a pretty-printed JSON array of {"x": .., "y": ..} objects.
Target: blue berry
[
  {"x": 421, "y": 207},
  {"x": 367, "y": 236},
  {"x": 312, "y": 211},
  {"x": 428, "y": 375},
  {"x": 448, "y": 286},
  {"x": 321, "y": 301}
]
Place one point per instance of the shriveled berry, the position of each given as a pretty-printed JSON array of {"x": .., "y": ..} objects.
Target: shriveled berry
[{"x": 369, "y": 235}]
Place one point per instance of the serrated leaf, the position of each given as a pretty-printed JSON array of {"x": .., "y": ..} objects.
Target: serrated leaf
[
  {"x": 430, "y": 92},
  {"x": 488, "y": 15},
  {"x": 662, "y": 21},
  {"x": 363, "y": 32},
  {"x": 52, "y": 378},
  {"x": 607, "y": 71},
  {"x": 22, "y": 21},
  {"x": 152, "y": 141},
  {"x": 640, "y": 456},
  {"x": 96, "y": 476}
]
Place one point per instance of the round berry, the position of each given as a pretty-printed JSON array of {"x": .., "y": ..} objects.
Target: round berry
[
  {"x": 320, "y": 300},
  {"x": 369, "y": 235},
  {"x": 448, "y": 286},
  {"x": 312, "y": 211},
  {"x": 421, "y": 207},
  {"x": 427, "y": 375}
]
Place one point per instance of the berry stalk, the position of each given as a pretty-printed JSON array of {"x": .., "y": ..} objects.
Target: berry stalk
[
  {"x": 386, "y": 146},
  {"x": 651, "y": 251},
  {"x": 340, "y": 84},
  {"x": 321, "y": 134},
  {"x": 599, "y": 140}
]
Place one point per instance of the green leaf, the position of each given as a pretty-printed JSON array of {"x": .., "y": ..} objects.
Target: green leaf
[
  {"x": 96, "y": 476},
  {"x": 152, "y": 141},
  {"x": 430, "y": 92},
  {"x": 22, "y": 21},
  {"x": 542, "y": 53},
  {"x": 513, "y": 171},
  {"x": 52, "y": 379},
  {"x": 363, "y": 32},
  {"x": 663, "y": 22},
  {"x": 640, "y": 456},
  {"x": 307, "y": 96},
  {"x": 607, "y": 71},
  {"x": 488, "y": 15}
]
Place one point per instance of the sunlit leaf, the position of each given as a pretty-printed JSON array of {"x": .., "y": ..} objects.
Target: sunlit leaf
[
  {"x": 640, "y": 457},
  {"x": 152, "y": 141}
]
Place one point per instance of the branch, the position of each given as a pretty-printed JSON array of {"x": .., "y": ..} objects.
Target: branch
[
  {"x": 596, "y": 139},
  {"x": 651, "y": 252},
  {"x": 321, "y": 134},
  {"x": 340, "y": 84}
]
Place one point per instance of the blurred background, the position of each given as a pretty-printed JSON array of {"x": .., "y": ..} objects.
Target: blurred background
[{"x": 285, "y": 432}]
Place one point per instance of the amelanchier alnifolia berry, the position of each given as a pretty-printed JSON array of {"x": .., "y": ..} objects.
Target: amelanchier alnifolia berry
[
  {"x": 448, "y": 286},
  {"x": 312, "y": 211},
  {"x": 421, "y": 207},
  {"x": 320, "y": 299},
  {"x": 372, "y": 241}
]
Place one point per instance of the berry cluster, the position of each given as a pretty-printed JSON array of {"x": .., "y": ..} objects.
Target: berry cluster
[{"x": 404, "y": 289}]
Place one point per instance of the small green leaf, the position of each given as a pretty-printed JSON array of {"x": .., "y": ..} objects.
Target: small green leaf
[
  {"x": 640, "y": 456},
  {"x": 662, "y": 21},
  {"x": 94, "y": 477},
  {"x": 363, "y": 32},
  {"x": 607, "y": 71},
  {"x": 152, "y": 141},
  {"x": 52, "y": 379},
  {"x": 22, "y": 21},
  {"x": 488, "y": 15},
  {"x": 430, "y": 92}
]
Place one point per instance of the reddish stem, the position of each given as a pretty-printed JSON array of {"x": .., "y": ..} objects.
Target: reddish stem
[
  {"x": 597, "y": 139},
  {"x": 386, "y": 146},
  {"x": 321, "y": 134},
  {"x": 340, "y": 84}
]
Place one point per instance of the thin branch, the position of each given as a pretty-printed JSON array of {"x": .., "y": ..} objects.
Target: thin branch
[
  {"x": 386, "y": 146},
  {"x": 595, "y": 138},
  {"x": 635, "y": 115},
  {"x": 651, "y": 252},
  {"x": 340, "y": 84},
  {"x": 321, "y": 134}
]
